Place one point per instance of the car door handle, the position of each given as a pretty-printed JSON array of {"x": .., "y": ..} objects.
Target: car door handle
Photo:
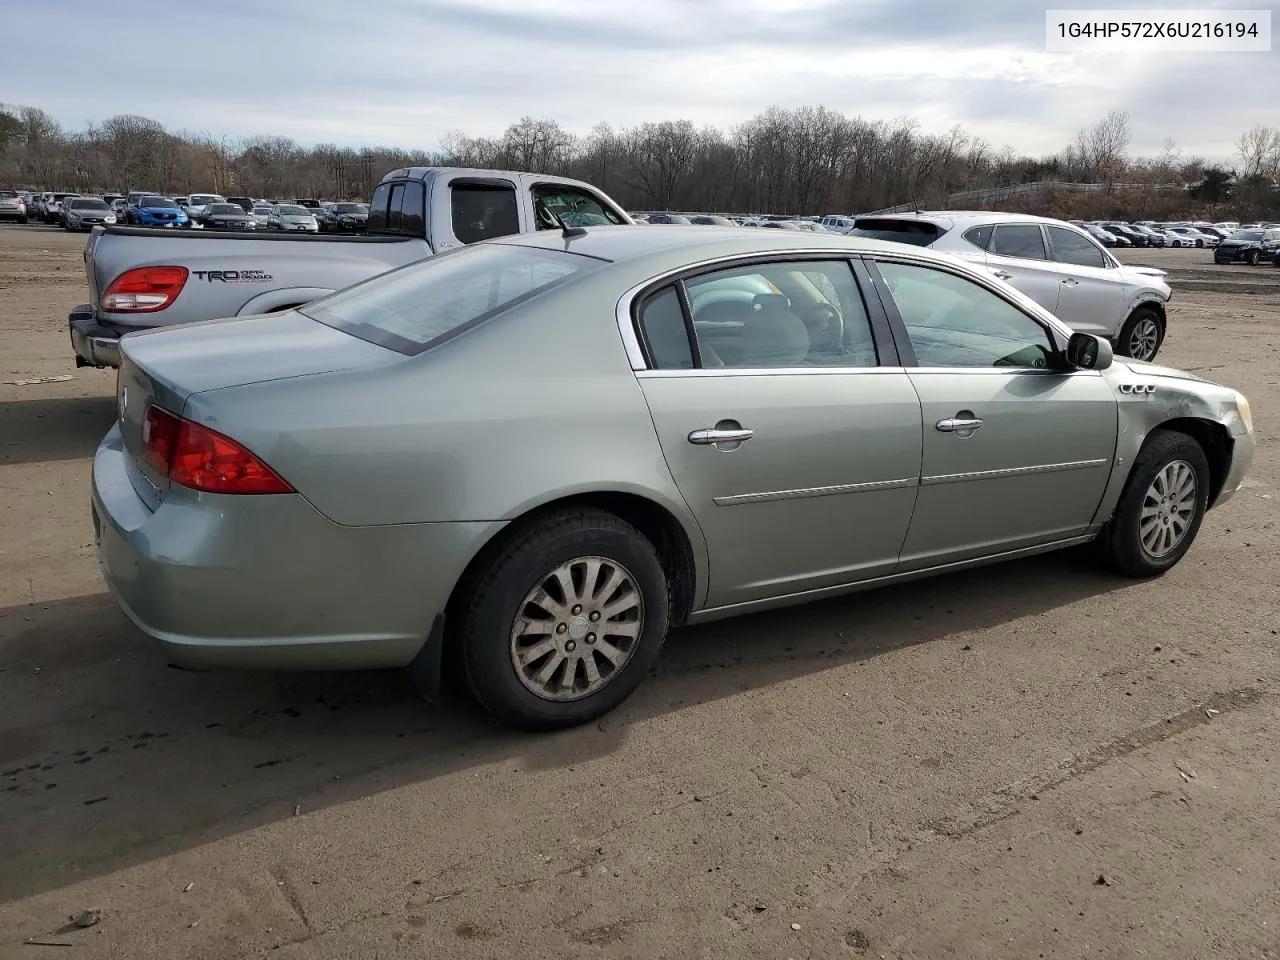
[
  {"x": 1003, "y": 274},
  {"x": 1070, "y": 281},
  {"x": 959, "y": 424},
  {"x": 705, "y": 438}
]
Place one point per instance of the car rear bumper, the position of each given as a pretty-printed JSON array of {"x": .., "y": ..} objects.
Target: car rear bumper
[
  {"x": 95, "y": 344},
  {"x": 267, "y": 581}
]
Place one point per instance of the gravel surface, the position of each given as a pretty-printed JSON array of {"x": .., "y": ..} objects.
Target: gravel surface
[{"x": 1029, "y": 760}]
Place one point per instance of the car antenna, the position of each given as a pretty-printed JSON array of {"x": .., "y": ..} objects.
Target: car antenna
[{"x": 566, "y": 231}]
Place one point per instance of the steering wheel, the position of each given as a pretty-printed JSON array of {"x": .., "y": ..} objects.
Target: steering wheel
[{"x": 825, "y": 326}]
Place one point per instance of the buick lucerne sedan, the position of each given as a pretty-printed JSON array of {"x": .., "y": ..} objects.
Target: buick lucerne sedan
[{"x": 540, "y": 453}]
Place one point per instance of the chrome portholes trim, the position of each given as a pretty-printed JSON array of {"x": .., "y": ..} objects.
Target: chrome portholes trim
[
  {"x": 804, "y": 492},
  {"x": 1138, "y": 389},
  {"x": 1014, "y": 471}
]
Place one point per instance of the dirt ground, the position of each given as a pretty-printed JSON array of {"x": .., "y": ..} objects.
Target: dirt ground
[{"x": 1031, "y": 760}]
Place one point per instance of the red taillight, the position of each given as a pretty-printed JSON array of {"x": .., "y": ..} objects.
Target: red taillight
[
  {"x": 195, "y": 456},
  {"x": 144, "y": 289}
]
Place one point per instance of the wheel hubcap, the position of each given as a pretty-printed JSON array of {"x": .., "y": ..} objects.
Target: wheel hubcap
[
  {"x": 1167, "y": 509},
  {"x": 1143, "y": 340},
  {"x": 577, "y": 628}
]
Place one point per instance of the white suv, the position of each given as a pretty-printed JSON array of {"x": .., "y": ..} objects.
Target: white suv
[{"x": 1059, "y": 266}]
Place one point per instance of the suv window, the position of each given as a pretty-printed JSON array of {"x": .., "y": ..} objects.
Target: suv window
[
  {"x": 662, "y": 329},
  {"x": 482, "y": 210},
  {"x": 980, "y": 237},
  {"x": 1070, "y": 247},
  {"x": 1018, "y": 240},
  {"x": 577, "y": 208},
  {"x": 784, "y": 314},
  {"x": 954, "y": 322},
  {"x": 921, "y": 233},
  {"x": 416, "y": 307}
]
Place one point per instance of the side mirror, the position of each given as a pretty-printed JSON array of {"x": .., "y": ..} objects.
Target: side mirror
[{"x": 1087, "y": 352}]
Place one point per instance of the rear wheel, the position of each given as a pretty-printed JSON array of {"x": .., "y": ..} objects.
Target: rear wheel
[
  {"x": 1142, "y": 335},
  {"x": 1163, "y": 504},
  {"x": 564, "y": 621}
]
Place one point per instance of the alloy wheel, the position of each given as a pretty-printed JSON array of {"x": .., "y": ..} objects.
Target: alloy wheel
[
  {"x": 1168, "y": 508},
  {"x": 577, "y": 628},
  {"x": 1145, "y": 339}
]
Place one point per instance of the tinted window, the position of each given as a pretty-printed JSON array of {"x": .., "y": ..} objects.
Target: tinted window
[
  {"x": 416, "y": 307},
  {"x": 576, "y": 208},
  {"x": 411, "y": 219},
  {"x": 350, "y": 208},
  {"x": 665, "y": 336},
  {"x": 1070, "y": 247},
  {"x": 917, "y": 232},
  {"x": 225, "y": 208},
  {"x": 394, "y": 209},
  {"x": 481, "y": 210},
  {"x": 980, "y": 237},
  {"x": 954, "y": 322},
  {"x": 86, "y": 204},
  {"x": 378, "y": 208},
  {"x": 159, "y": 203},
  {"x": 1018, "y": 240},
  {"x": 788, "y": 314}
]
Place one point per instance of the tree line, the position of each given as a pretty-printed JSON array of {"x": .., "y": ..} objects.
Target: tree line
[{"x": 797, "y": 161}]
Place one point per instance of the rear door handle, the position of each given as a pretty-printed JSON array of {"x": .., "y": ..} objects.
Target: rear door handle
[
  {"x": 1070, "y": 281},
  {"x": 1003, "y": 274},
  {"x": 959, "y": 424},
  {"x": 707, "y": 437}
]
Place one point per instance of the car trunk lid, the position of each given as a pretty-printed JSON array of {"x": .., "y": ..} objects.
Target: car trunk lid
[{"x": 167, "y": 366}]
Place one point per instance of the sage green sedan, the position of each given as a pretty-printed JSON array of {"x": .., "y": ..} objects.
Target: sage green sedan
[{"x": 543, "y": 452}]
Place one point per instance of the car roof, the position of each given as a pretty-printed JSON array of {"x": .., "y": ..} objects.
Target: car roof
[
  {"x": 959, "y": 217},
  {"x": 618, "y": 243}
]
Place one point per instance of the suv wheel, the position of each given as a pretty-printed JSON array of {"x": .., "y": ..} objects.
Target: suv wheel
[
  {"x": 1142, "y": 335},
  {"x": 565, "y": 620},
  {"x": 1160, "y": 510}
]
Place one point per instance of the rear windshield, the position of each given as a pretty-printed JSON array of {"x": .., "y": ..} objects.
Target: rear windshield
[
  {"x": 919, "y": 233},
  {"x": 416, "y": 307},
  {"x": 158, "y": 203},
  {"x": 88, "y": 204}
]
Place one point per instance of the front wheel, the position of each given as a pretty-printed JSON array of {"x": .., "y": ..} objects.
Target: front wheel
[
  {"x": 1142, "y": 335},
  {"x": 1160, "y": 511},
  {"x": 1250, "y": 257},
  {"x": 564, "y": 621}
]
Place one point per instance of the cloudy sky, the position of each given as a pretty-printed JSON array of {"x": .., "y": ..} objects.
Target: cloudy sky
[{"x": 405, "y": 72}]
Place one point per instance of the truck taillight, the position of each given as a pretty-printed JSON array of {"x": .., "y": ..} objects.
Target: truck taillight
[
  {"x": 144, "y": 289},
  {"x": 194, "y": 456}
]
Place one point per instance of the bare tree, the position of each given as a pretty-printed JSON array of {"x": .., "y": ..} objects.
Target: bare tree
[{"x": 1259, "y": 152}]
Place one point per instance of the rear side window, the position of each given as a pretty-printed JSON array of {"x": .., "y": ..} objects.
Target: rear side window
[
  {"x": 416, "y": 307},
  {"x": 980, "y": 237},
  {"x": 1070, "y": 247},
  {"x": 480, "y": 211},
  {"x": 919, "y": 233},
  {"x": 665, "y": 336},
  {"x": 1022, "y": 240},
  {"x": 378, "y": 208},
  {"x": 411, "y": 218}
]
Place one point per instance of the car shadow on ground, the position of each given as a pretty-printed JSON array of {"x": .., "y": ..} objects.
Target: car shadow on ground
[
  {"x": 109, "y": 757},
  {"x": 60, "y": 428}
]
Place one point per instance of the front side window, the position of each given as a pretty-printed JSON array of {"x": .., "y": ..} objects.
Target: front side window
[
  {"x": 416, "y": 307},
  {"x": 783, "y": 314},
  {"x": 954, "y": 322},
  {"x": 1022, "y": 240},
  {"x": 1070, "y": 247},
  {"x": 574, "y": 207},
  {"x": 480, "y": 211}
]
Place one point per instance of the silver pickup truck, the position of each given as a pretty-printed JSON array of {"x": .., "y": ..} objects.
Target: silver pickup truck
[{"x": 141, "y": 278}]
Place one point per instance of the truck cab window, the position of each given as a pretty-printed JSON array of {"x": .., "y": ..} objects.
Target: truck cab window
[
  {"x": 483, "y": 210},
  {"x": 573, "y": 207},
  {"x": 378, "y": 208},
  {"x": 412, "y": 221}
]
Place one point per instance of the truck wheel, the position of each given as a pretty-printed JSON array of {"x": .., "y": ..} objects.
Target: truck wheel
[
  {"x": 564, "y": 621},
  {"x": 1159, "y": 513},
  {"x": 1142, "y": 335}
]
